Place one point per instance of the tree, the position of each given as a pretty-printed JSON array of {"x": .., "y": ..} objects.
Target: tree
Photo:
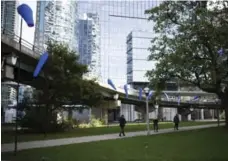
[
  {"x": 64, "y": 78},
  {"x": 189, "y": 36},
  {"x": 64, "y": 85}
]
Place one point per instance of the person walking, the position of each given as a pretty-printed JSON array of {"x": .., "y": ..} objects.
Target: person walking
[
  {"x": 122, "y": 123},
  {"x": 155, "y": 121},
  {"x": 176, "y": 122}
]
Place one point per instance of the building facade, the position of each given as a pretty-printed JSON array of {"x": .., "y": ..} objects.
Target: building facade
[
  {"x": 116, "y": 19},
  {"x": 56, "y": 21},
  {"x": 25, "y": 91},
  {"x": 8, "y": 95},
  {"x": 89, "y": 44},
  {"x": 138, "y": 43},
  {"x": 10, "y": 17}
]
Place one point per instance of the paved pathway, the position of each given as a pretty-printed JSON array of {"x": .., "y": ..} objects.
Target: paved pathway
[{"x": 57, "y": 142}]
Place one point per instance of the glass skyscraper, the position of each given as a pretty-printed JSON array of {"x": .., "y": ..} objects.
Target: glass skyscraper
[
  {"x": 117, "y": 20},
  {"x": 138, "y": 43},
  {"x": 56, "y": 20},
  {"x": 89, "y": 44},
  {"x": 10, "y": 17}
]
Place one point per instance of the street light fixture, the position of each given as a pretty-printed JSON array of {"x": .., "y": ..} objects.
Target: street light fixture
[
  {"x": 116, "y": 96},
  {"x": 146, "y": 91},
  {"x": 12, "y": 59}
]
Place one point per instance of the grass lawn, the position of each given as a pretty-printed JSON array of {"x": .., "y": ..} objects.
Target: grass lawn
[
  {"x": 196, "y": 145},
  {"x": 8, "y": 136}
]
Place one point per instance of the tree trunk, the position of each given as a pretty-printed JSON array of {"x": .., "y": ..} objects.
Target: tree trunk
[
  {"x": 160, "y": 113},
  {"x": 224, "y": 103},
  {"x": 70, "y": 113},
  {"x": 143, "y": 114},
  {"x": 226, "y": 116}
]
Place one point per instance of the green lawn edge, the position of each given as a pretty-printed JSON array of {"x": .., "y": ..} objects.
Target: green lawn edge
[{"x": 8, "y": 137}]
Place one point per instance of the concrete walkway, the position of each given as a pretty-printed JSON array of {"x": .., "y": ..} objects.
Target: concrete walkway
[{"x": 66, "y": 141}]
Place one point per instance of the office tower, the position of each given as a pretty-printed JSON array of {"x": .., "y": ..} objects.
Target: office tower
[
  {"x": 9, "y": 17},
  {"x": 89, "y": 44},
  {"x": 138, "y": 43},
  {"x": 117, "y": 19},
  {"x": 8, "y": 95},
  {"x": 56, "y": 21},
  {"x": 25, "y": 91}
]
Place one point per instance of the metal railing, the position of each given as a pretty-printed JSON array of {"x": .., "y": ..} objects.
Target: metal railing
[{"x": 24, "y": 43}]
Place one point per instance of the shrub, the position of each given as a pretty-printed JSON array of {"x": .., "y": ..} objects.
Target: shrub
[
  {"x": 94, "y": 122},
  {"x": 43, "y": 120},
  {"x": 84, "y": 125}
]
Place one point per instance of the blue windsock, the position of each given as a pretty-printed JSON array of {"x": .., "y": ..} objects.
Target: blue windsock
[
  {"x": 111, "y": 84},
  {"x": 140, "y": 93},
  {"x": 26, "y": 13},
  {"x": 221, "y": 52},
  {"x": 178, "y": 100},
  {"x": 150, "y": 94},
  {"x": 195, "y": 98},
  {"x": 39, "y": 66}
]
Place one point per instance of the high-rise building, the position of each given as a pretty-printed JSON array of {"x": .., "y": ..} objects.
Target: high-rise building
[
  {"x": 9, "y": 17},
  {"x": 117, "y": 19},
  {"x": 89, "y": 44},
  {"x": 56, "y": 20},
  {"x": 138, "y": 43},
  {"x": 8, "y": 95},
  {"x": 25, "y": 91}
]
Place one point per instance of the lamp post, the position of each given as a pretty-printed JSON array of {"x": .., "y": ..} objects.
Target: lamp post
[
  {"x": 18, "y": 86},
  {"x": 16, "y": 121},
  {"x": 146, "y": 91},
  {"x": 27, "y": 14},
  {"x": 12, "y": 60},
  {"x": 218, "y": 119}
]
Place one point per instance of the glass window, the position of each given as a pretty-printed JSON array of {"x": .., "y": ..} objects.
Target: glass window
[
  {"x": 140, "y": 54},
  {"x": 143, "y": 65}
]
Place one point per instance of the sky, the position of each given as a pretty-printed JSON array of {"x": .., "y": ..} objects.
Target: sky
[{"x": 28, "y": 32}]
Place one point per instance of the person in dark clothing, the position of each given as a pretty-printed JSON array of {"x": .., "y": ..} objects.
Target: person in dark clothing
[
  {"x": 122, "y": 123},
  {"x": 176, "y": 122},
  {"x": 155, "y": 121}
]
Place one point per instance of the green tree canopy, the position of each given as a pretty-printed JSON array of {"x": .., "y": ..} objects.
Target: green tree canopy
[
  {"x": 64, "y": 79},
  {"x": 189, "y": 36},
  {"x": 63, "y": 85}
]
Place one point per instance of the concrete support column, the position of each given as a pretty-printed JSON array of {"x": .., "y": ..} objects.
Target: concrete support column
[
  {"x": 90, "y": 114},
  {"x": 143, "y": 112},
  {"x": 105, "y": 115},
  {"x": 202, "y": 114},
  {"x": 212, "y": 114},
  {"x": 144, "y": 117},
  {"x": 121, "y": 110},
  {"x": 189, "y": 117},
  {"x": 133, "y": 112}
]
